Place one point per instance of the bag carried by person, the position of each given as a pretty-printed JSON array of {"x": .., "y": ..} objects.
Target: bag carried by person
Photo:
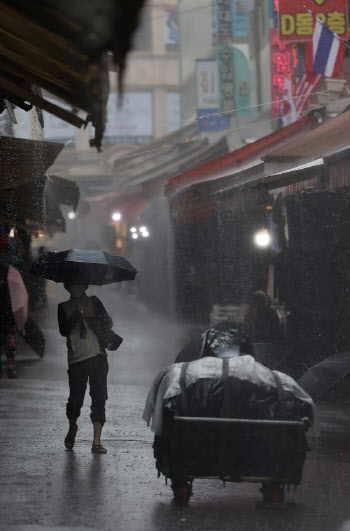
[
  {"x": 101, "y": 325},
  {"x": 107, "y": 338}
]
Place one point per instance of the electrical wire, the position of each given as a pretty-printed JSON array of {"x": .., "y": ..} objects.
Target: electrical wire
[{"x": 187, "y": 139}]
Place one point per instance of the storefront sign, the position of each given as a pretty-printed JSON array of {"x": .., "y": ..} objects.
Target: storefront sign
[
  {"x": 296, "y": 19},
  {"x": 281, "y": 69},
  {"x": 231, "y": 19},
  {"x": 234, "y": 81},
  {"x": 132, "y": 123},
  {"x": 239, "y": 18},
  {"x": 208, "y": 97}
]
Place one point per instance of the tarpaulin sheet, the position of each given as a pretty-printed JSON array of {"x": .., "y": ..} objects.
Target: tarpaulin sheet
[
  {"x": 253, "y": 392},
  {"x": 238, "y": 388}
]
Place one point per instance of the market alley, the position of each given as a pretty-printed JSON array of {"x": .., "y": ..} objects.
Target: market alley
[{"x": 44, "y": 486}]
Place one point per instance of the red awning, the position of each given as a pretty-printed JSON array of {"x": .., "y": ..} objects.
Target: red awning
[{"x": 225, "y": 165}]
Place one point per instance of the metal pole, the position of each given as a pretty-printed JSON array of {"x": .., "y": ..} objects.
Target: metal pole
[{"x": 240, "y": 421}]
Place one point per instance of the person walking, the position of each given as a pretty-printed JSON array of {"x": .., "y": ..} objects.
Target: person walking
[{"x": 87, "y": 360}]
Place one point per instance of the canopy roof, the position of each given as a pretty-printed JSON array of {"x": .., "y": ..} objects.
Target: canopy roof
[
  {"x": 28, "y": 199},
  {"x": 61, "y": 46},
  {"x": 23, "y": 161},
  {"x": 240, "y": 159},
  {"x": 327, "y": 139}
]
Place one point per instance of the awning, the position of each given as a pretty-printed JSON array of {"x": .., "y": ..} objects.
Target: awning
[
  {"x": 62, "y": 191},
  {"x": 327, "y": 139},
  {"x": 28, "y": 199},
  {"x": 61, "y": 46},
  {"x": 234, "y": 161},
  {"x": 24, "y": 161}
]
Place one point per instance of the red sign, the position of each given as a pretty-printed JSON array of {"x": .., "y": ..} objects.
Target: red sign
[
  {"x": 296, "y": 18},
  {"x": 281, "y": 68}
]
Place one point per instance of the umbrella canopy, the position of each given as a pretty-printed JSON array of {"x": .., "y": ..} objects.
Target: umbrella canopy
[
  {"x": 19, "y": 297},
  {"x": 322, "y": 376},
  {"x": 94, "y": 267}
]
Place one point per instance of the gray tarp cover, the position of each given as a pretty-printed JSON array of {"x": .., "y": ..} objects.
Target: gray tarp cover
[{"x": 167, "y": 383}]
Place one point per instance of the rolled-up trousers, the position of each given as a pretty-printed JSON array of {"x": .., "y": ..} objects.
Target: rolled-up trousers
[{"x": 94, "y": 370}]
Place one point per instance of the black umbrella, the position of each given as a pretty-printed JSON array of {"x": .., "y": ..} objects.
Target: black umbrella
[
  {"x": 321, "y": 377},
  {"x": 94, "y": 267}
]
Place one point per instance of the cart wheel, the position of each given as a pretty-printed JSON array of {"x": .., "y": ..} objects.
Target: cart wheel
[
  {"x": 273, "y": 492},
  {"x": 182, "y": 492}
]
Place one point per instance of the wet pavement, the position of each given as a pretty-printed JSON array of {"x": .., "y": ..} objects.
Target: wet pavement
[{"x": 43, "y": 486}]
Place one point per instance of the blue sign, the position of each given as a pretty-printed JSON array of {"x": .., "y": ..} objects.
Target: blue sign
[
  {"x": 239, "y": 18},
  {"x": 273, "y": 12},
  {"x": 210, "y": 120},
  {"x": 231, "y": 19}
]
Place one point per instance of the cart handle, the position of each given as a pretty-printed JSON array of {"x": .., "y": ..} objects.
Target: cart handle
[{"x": 241, "y": 421}]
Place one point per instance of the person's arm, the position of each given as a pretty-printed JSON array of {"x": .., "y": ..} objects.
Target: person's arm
[
  {"x": 66, "y": 324},
  {"x": 101, "y": 312}
]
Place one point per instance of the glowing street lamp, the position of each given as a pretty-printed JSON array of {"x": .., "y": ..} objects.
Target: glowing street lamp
[
  {"x": 116, "y": 216},
  {"x": 262, "y": 238},
  {"x": 72, "y": 215}
]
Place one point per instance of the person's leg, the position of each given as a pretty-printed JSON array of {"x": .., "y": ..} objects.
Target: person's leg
[
  {"x": 98, "y": 393},
  {"x": 77, "y": 377}
]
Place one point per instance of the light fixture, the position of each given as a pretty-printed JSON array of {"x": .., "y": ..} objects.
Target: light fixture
[
  {"x": 262, "y": 238},
  {"x": 12, "y": 233},
  {"x": 145, "y": 234},
  {"x": 143, "y": 229},
  {"x": 133, "y": 229},
  {"x": 72, "y": 215},
  {"x": 116, "y": 216},
  {"x": 135, "y": 236}
]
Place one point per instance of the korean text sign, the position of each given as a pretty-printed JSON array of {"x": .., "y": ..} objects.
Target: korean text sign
[
  {"x": 296, "y": 19},
  {"x": 281, "y": 68}
]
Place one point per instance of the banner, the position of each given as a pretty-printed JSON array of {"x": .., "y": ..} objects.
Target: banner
[
  {"x": 234, "y": 80},
  {"x": 296, "y": 19},
  {"x": 208, "y": 110}
]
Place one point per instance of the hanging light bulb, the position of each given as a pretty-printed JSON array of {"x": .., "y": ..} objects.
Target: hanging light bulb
[{"x": 262, "y": 238}]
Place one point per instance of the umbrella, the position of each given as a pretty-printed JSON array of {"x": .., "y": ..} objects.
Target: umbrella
[
  {"x": 321, "y": 377},
  {"x": 94, "y": 267},
  {"x": 18, "y": 296},
  {"x": 34, "y": 337}
]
